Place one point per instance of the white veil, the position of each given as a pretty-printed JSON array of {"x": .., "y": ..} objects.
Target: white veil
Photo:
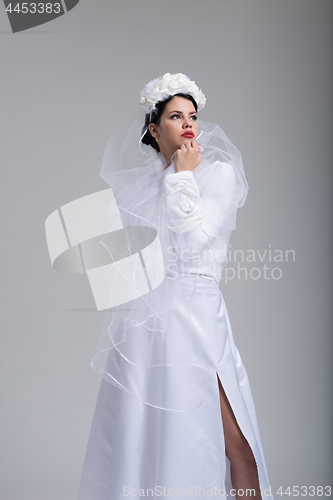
[{"x": 142, "y": 349}]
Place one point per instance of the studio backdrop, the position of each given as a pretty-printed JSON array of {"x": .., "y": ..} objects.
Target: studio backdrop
[{"x": 68, "y": 80}]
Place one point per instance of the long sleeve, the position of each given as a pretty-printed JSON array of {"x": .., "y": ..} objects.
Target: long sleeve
[{"x": 196, "y": 215}]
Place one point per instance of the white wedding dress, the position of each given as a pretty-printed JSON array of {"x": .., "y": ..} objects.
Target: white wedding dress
[{"x": 138, "y": 448}]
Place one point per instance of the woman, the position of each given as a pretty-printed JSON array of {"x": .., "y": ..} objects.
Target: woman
[{"x": 175, "y": 414}]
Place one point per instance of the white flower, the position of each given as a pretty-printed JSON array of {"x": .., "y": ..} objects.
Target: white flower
[
  {"x": 184, "y": 210},
  {"x": 193, "y": 88},
  {"x": 175, "y": 86},
  {"x": 182, "y": 78},
  {"x": 163, "y": 87},
  {"x": 167, "y": 77}
]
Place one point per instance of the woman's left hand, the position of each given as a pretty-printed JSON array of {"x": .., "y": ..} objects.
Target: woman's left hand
[{"x": 188, "y": 156}]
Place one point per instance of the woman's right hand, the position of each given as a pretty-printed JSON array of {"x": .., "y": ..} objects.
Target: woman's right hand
[{"x": 188, "y": 156}]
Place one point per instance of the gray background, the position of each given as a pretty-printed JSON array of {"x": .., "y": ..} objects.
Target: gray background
[{"x": 265, "y": 67}]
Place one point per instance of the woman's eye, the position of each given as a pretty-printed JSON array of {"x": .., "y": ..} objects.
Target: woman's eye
[{"x": 194, "y": 117}]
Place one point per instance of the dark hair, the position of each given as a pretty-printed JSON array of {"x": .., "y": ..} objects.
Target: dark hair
[{"x": 156, "y": 118}]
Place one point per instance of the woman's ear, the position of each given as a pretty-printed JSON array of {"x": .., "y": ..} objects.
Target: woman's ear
[{"x": 153, "y": 130}]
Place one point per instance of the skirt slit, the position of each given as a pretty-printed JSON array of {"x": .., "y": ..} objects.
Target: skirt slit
[{"x": 244, "y": 433}]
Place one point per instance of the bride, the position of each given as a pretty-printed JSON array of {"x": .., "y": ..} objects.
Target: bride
[{"x": 175, "y": 414}]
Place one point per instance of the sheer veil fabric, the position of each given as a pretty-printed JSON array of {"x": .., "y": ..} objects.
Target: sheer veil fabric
[
  {"x": 193, "y": 214},
  {"x": 157, "y": 422}
]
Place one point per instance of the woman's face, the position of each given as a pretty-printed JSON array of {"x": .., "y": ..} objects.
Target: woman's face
[{"x": 177, "y": 126}]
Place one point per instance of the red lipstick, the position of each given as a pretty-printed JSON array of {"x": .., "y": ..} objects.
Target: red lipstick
[{"x": 188, "y": 134}]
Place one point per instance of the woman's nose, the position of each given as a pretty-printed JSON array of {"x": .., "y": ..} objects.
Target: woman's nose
[{"x": 187, "y": 123}]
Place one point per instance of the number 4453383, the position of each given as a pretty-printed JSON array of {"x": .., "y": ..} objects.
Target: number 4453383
[
  {"x": 32, "y": 8},
  {"x": 304, "y": 491}
]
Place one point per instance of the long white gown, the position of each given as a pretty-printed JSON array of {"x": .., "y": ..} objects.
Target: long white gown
[{"x": 138, "y": 450}]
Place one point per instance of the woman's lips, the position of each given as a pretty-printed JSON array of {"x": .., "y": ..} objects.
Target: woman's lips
[{"x": 188, "y": 134}]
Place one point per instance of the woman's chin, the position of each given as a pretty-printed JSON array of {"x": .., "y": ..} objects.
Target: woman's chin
[{"x": 188, "y": 139}]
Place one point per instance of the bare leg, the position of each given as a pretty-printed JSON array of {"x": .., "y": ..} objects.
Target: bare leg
[{"x": 243, "y": 467}]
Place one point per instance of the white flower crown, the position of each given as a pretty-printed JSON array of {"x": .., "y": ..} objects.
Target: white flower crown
[{"x": 163, "y": 87}]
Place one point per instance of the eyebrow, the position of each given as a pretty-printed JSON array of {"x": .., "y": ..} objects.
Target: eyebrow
[{"x": 180, "y": 112}]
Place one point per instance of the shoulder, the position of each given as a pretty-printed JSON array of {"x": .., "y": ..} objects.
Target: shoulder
[
  {"x": 223, "y": 169},
  {"x": 215, "y": 176}
]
